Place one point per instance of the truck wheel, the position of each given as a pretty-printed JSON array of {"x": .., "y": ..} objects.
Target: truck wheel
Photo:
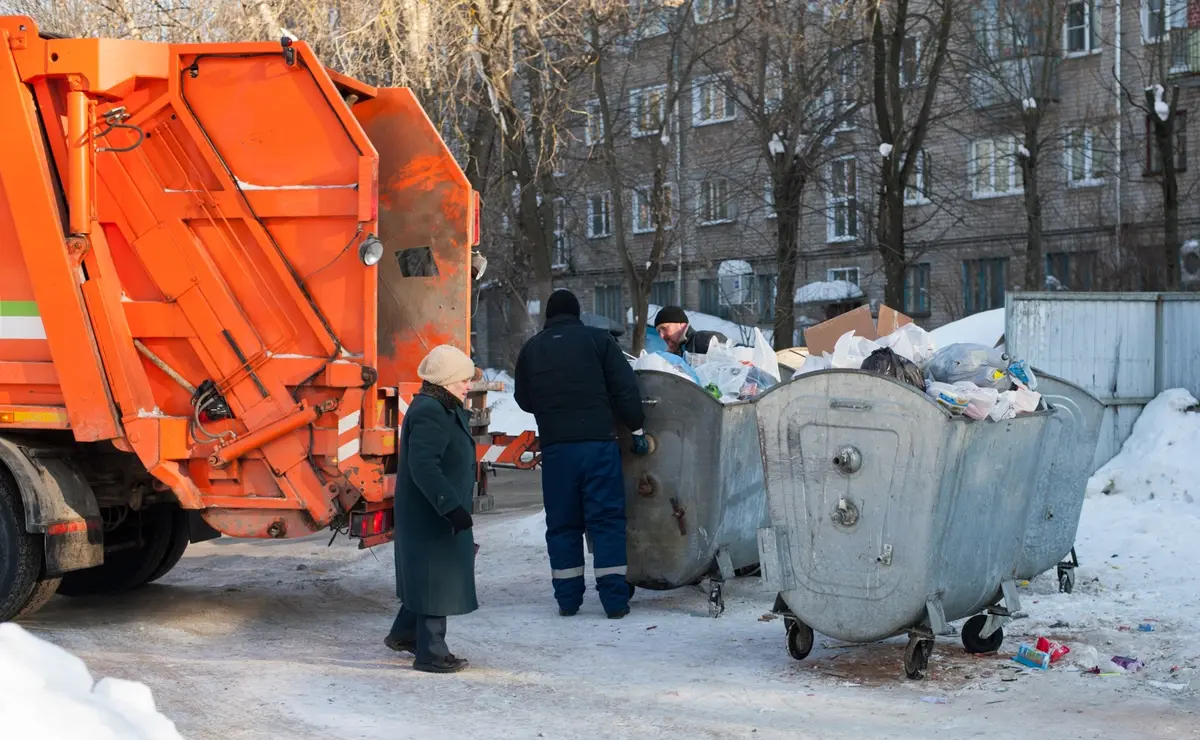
[
  {"x": 21, "y": 593},
  {"x": 147, "y": 535},
  {"x": 180, "y": 533}
]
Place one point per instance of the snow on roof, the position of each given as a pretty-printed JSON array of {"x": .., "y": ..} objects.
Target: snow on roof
[
  {"x": 833, "y": 290},
  {"x": 733, "y": 268},
  {"x": 985, "y": 328},
  {"x": 739, "y": 333}
]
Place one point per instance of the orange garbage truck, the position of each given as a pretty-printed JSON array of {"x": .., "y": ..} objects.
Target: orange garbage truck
[{"x": 220, "y": 265}]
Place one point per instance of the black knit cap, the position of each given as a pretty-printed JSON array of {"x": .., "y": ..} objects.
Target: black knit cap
[
  {"x": 562, "y": 301},
  {"x": 670, "y": 315}
]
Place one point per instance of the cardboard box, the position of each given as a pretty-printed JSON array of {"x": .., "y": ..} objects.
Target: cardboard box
[{"x": 823, "y": 336}]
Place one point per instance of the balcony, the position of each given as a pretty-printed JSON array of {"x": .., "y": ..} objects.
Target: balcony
[
  {"x": 1183, "y": 53},
  {"x": 1005, "y": 84}
]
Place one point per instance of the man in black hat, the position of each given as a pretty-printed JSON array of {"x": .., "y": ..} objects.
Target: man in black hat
[
  {"x": 578, "y": 385},
  {"x": 672, "y": 325}
]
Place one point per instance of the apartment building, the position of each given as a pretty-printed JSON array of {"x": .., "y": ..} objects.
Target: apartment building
[{"x": 966, "y": 213}]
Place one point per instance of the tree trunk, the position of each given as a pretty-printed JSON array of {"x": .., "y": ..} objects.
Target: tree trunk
[
  {"x": 787, "y": 258},
  {"x": 1034, "y": 257},
  {"x": 640, "y": 299},
  {"x": 1171, "y": 230},
  {"x": 891, "y": 242}
]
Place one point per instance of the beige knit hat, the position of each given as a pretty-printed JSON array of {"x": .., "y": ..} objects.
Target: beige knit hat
[{"x": 446, "y": 364}]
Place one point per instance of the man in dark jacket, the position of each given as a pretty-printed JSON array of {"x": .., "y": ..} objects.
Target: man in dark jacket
[
  {"x": 673, "y": 326},
  {"x": 577, "y": 383}
]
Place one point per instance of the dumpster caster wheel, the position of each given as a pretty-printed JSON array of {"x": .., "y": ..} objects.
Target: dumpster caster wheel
[
  {"x": 799, "y": 639},
  {"x": 1066, "y": 580},
  {"x": 916, "y": 658},
  {"x": 716, "y": 600},
  {"x": 977, "y": 645}
]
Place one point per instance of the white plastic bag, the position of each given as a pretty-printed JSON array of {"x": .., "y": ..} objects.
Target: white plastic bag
[
  {"x": 1011, "y": 403},
  {"x": 851, "y": 350},
  {"x": 912, "y": 343},
  {"x": 813, "y": 363},
  {"x": 979, "y": 400},
  {"x": 948, "y": 397},
  {"x": 727, "y": 374},
  {"x": 764, "y": 357}
]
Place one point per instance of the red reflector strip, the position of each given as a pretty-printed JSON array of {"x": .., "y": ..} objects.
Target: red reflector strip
[
  {"x": 372, "y": 523},
  {"x": 67, "y": 527}
]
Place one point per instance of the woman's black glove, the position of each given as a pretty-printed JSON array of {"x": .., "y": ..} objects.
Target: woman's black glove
[{"x": 460, "y": 520}]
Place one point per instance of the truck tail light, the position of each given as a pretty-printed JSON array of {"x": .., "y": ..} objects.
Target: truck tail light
[{"x": 366, "y": 524}]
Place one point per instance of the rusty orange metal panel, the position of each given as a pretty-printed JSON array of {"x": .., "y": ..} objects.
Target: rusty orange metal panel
[
  {"x": 28, "y": 373},
  {"x": 424, "y": 211}
]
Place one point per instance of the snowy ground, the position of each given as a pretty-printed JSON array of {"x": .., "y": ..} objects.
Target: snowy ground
[{"x": 283, "y": 639}]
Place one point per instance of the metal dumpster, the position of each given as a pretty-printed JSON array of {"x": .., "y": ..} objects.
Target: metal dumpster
[
  {"x": 888, "y": 515},
  {"x": 1067, "y": 461},
  {"x": 694, "y": 506}
]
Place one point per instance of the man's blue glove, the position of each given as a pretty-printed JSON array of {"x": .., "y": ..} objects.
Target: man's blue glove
[{"x": 641, "y": 445}]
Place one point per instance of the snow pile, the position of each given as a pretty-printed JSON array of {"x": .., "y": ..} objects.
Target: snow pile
[
  {"x": 734, "y": 268},
  {"x": 507, "y": 416},
  {"x": 1029, "y": 104},
  {"x": 1022, "y": 151},
  {"x": 885, "y": 150},
  {"x": 986, "y": 328},
  {"x": 48, "y": 693},
  {"x": 1161, "y": 458},
  {"x": 1161, "y": 109},
  {"x": 824, "y": 292}
]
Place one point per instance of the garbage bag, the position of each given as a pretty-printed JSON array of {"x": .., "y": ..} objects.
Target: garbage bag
[
  {"x": 948, "y": 397},
  {"x": 851, "y": 350},
  {"x": 725, "y": 373},
  {"x": 813, "y": 364},
  {"x": 666, "y": 362},
  {"x": 886, "y": 361},
  {"x": 911, "y": 342},
  {"x": 757, "y": 381},
  {"x": 972, "y": 363},
  {"x": 764, "y": 357},
  {"x": 1011, "y": 403}
]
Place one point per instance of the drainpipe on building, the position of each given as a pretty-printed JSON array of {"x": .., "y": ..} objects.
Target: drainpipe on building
[{"x": 1120, "y": 112}]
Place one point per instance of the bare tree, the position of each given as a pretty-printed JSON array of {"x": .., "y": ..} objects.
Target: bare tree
[
  {"x": 792, "y": 72},
  {"x": 906, "y": 38}
]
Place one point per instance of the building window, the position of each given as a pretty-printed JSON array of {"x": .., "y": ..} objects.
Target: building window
[
  {"x": 769, "y": 198},
  {"x": 842, "y": 201},
  {"x": 737, "y": 282},
  {"x": 773, "y": 87},
  {"x": 1081, "y": 27},
  {"x": 1160, "y": 16},
  {"x": 994, "y": 167},
  {"x": 1070, "y": 270},
  {"x": 644, "y": 218},
  {"x": 712, "y": 101},
  {"x": 984, "y": 281},
  {"x": 916, "y": 290},
  {"x": 593, "y": 134},
  {"x": 609, "y": 302},
  {"x": 764, "y": 295},
  {"x": 841, "y": 95},
  {"x": 1083, "y": 162},
  {"x": 562, "y": 250},
  {"x": 715, "y": 204},
  {"x": 1154, "y": 163},
  {"x": 599, "y": 215},
  {"x": 844, "y": 274},
  {"x": 650, "y": 17},
  {"x": 910, "y": 62},
  {"x": 916, "y": 190},
  {"x": 649, "y": 107},
  {"x": 1003, "y": 30},
  {"x": 662, "y": 293},
  {"x": 710, "y": 296},
  {"x": 710, "y": 11}
]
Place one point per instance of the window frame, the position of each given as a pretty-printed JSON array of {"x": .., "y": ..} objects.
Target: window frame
[
  {"x": 635, "y": 123},
  {"x": 1091, "y": 29},
  {"x": 831, "y": 274},
  {"x": 1090, "y": 179},
  {"x": 848, "y": 200},
  {"x": 560, "y": 250},
  {"x": 606, "y": 290},
  {"x": 924, "y": 270},
  {"x": 1016, "y": 187},
  {"x": 593, "y": 116},
  {"x": 971, "y": 281},
  {"x": 706, "y": 206},
  {"x": 635, "y": 208},
  {"x": 1174, "y": 16},
  {"x": 745, "y": 282},
  {"x": 720, "y": 83},
  {"x": 711, "y": 16},
  {"x": 920, "y": 184},
  {"x": 606, "y": 198}
]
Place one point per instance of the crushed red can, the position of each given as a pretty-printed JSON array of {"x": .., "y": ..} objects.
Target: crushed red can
[{"x": 1054, "y": 649}]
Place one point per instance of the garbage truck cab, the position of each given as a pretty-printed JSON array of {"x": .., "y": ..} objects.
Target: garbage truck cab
[{"x": 221, "y": 265}]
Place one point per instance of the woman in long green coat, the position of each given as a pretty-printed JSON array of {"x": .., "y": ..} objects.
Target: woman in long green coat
[{"x": 435, "y": 477}]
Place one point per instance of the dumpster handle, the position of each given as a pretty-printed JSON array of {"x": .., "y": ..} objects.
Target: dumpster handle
[{"x": 850, "y": 405}]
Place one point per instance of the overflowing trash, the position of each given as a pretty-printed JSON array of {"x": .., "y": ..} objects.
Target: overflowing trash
[
  {"x": 968, "y": 380},
  {"x": 726, "y": 372}
]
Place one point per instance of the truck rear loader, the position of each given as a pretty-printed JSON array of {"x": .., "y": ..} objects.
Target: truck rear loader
[{"x": 220, "y": 265}]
